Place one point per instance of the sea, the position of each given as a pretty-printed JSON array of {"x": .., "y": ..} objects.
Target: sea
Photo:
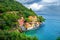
[{"x": 50, "y": 29}]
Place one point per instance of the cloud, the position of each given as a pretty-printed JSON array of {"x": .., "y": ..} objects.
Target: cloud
[
  {"x": 39, "y": 4},
  {"x": 25, "y": 1},
  {"x": 49, "y": 1},
  {"x": 35, "y": 6}
]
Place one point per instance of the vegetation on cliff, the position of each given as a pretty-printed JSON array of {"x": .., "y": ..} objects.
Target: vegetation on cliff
[
  {"x": 58, "y": 38},
  {"x": 10, "y": 12}
]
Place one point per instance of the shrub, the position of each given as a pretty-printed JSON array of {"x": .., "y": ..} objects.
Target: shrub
[
  {"x": 15, "y": 35},
  {"x": 58, "y": 38},
  {"x": 8, "y": 20},
  {"x": 41, "y": 19}
]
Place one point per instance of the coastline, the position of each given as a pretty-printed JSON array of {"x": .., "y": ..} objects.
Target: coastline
[{"x": 31, "y": 28}]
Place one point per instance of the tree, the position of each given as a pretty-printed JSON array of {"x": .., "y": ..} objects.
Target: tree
[
  {"x": 58, "y": 38},
  {"x": 41, "y": 19},
  {"x": 8, "y": 20}
]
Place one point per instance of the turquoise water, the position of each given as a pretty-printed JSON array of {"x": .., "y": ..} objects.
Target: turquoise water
[{"x": 50, "y": 30}]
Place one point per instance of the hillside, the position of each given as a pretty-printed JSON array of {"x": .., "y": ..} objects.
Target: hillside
[
  {"x": 9, "y": 5},
  {"x": 11, "y": 11},
  {"x": 11, "y": 14}
]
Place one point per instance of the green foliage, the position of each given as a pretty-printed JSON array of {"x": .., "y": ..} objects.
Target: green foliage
[
  {"x": 15, "y": 35},
  {"x": 11, "y": 11},
  {"x": 8, "y": 20},
  {"x": 41, "y": 19},
  {"x": 58, "y": 38},
  {"x": 11, "y": 5},
  {"x": 27, "y": 20}
]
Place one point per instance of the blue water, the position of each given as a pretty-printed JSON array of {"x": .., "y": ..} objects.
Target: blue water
[{"x": 50, "y": 30}]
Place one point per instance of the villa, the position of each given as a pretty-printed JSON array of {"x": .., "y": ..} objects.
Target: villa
[
  {"x": 28, "y": 25},
  {"x": 21, "y": 21},
  {"x": 32, "y": 18}
]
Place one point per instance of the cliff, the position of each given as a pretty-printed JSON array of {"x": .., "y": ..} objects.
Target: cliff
[{"x": 11, "y": 11}]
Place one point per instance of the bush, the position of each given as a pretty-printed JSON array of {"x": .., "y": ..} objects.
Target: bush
[
  {"x": 8, "y": 20},
  {"x": 58, "y": 38},
  {"x": 41, "y": 19},
  {"x": 27, "y": 20},
  {"x": 15, "y": 35}
]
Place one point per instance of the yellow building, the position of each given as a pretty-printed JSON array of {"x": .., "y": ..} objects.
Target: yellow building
[{"x": 32, "y": 18}]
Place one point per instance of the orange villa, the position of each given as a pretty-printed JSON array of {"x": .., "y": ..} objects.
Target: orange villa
[
  {"x": 27, "y": 25},
  {"x": 35, "y": 18},
  {"x": 32, "y": 18}
]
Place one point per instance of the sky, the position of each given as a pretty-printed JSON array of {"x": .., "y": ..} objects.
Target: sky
[
  {"x": 50, "y": 10},
  {"x": 37, "y": 5}
]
